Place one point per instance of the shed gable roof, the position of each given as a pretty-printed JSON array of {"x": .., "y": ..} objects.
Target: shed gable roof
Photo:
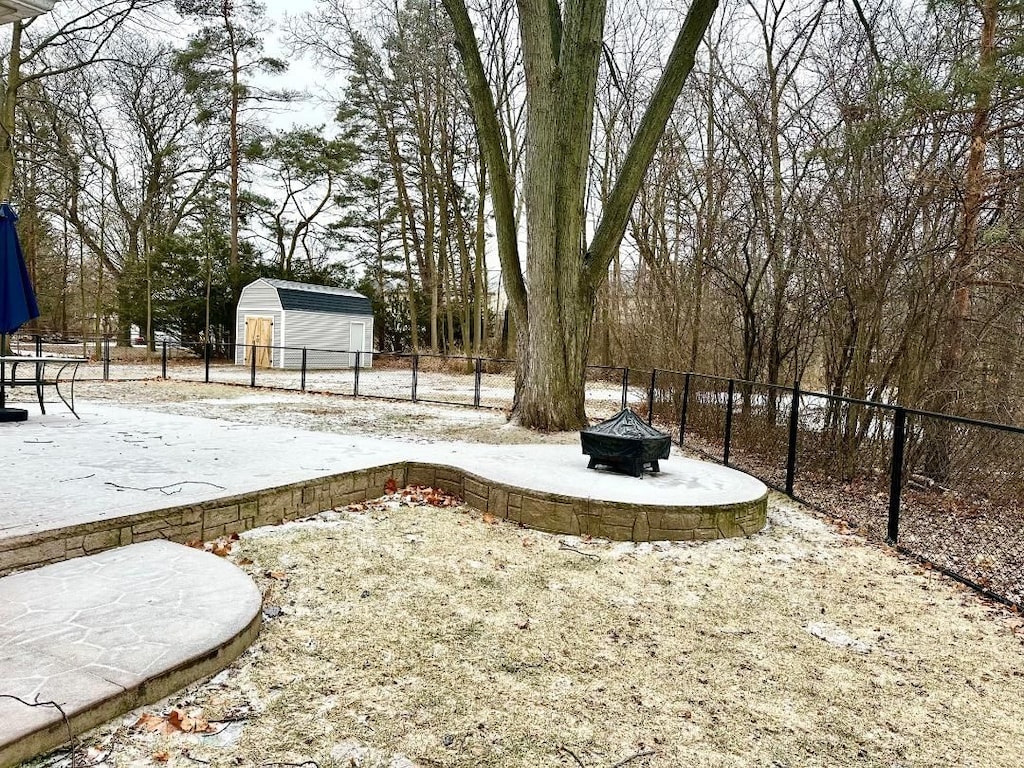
[{"x": 306, "y": 297}]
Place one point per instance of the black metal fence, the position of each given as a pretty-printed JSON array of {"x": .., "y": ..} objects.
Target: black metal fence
[{"x": 946, "y": 490}]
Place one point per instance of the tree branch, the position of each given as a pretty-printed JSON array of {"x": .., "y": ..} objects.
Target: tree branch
[
  {"x": 493, "y": 144},
  {"x": 615, "y": 217}
]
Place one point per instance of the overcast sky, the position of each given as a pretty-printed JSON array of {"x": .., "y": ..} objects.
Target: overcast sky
[{"x": 301, "y": 74}]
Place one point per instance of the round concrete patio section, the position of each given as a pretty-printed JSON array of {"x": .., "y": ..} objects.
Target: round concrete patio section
[
  {"x": 103, "y": 634},
  {"x": 121, "y": 475},
  {"x": 549, "y": 488}
]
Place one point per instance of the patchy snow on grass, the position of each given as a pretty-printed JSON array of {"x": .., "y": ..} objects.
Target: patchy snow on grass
[
  {"x": 409, "y": 636},
  {"x": 403, "y": 634}
]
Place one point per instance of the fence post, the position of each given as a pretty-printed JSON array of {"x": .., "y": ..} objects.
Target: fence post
[
  {"x": 415, "y": 374},
  {"x": 302, "y": 385},
  {"x": 794, "y": 421},
  {"x": 106, "y": 358},
  {"x": 899, "y": 439},
  {"x": 355, "y": 383},
  {"x": 476, "y": 387},
  {"x": 163, "y": 360},
  {"x": 207, "y": 349},
  {"x": 625, "y": 386},
  {"x": 686, "y": 404},
  {"x": 38, "y": 339},
  {"x": 728, "y": 422},
  {"x": 650, "y": 396},
  {"x": 252, "y": 365}
]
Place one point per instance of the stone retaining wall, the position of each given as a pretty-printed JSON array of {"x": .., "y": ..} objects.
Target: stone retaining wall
[
  {"x": 616, "y": 520},
  {"x": 551, "y": 512},
  {"x": 203, "y": 520}
]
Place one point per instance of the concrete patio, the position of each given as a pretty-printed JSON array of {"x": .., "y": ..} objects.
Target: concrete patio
[
  {"x": 118, "y": 476},
  {"x": 87, "y": 639},
  {"x": 110, "y": 623}
]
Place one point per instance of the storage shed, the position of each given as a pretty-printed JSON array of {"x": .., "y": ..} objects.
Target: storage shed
[{"x": 280, "y": 317}]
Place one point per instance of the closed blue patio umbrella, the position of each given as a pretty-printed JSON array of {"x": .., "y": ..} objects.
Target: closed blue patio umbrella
[{"x": 17, "y": 299}]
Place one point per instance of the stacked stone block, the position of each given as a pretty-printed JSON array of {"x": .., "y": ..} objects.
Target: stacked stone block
[{"x": 551, "y": 512}]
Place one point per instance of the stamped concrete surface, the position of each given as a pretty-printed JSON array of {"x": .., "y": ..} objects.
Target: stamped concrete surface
[
  {"x": 103, "y": 634},
  {"x": 117, "y": 462}
]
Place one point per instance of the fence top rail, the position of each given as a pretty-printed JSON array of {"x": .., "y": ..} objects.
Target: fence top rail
[
  {"x": 918, "y": 412},
  {"x": 1012, "y": 429},
  {"x": 966, "y": 420},
  {"x": 727, "y": 379}
]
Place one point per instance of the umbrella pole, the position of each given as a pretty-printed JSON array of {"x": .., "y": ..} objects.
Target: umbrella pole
[{"x": 3, "y": 371}]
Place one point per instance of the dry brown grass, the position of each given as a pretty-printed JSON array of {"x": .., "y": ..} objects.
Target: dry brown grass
[{"x": 414, "y": 636}]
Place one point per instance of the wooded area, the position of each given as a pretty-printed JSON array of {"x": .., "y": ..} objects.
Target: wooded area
[{"x": 837, "y": 196}]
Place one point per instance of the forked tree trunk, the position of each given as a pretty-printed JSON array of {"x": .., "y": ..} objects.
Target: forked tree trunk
[{"x": 552, "y": 306}]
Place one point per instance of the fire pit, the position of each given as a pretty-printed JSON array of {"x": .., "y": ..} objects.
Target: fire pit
[{"x": 625, "y": 443}]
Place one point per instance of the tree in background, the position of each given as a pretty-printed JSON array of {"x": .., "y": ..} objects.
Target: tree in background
[
  {"x": 306, "y": 177},
  {"x": 72, "y": 36},
  {"x": 219, "y": 65},
  {"x": 194, "y": 291},
  {"x": 405, "y": 94}
]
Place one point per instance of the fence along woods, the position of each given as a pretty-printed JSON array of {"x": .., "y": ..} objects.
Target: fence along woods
[{"x": 944, "y": 489}]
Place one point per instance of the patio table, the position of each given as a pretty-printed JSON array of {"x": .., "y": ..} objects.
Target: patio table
[{"x": 66, "y": 371}]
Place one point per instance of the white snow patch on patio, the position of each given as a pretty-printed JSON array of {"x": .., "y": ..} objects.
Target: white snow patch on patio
[{"x": 117, "y": 461}]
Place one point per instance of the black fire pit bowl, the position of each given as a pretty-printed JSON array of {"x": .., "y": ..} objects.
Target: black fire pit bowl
[{"x": 625, "y": 443}]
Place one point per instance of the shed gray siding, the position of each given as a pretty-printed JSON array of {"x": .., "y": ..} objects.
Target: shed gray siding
[
  {"x": 258, "y": 299},
  {"x": 310, "y": 318},
  {"x": 326, "y": 337}
]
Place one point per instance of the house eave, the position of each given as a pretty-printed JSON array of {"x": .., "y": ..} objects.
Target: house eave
[{"x": 12, "y": 10}]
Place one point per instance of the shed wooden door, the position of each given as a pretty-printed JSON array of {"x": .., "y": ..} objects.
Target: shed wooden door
[{"x": 259, "y": 332}]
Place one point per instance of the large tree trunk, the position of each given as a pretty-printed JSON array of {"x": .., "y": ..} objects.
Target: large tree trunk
[
  {"x": 553, "y": 307},
  {"x": 953, "y": 360},
  {"x": 560, "y": 111}
]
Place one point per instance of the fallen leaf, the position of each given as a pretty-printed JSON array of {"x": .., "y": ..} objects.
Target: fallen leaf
[
  {"x": 194, "y": 543},
  {"x": 162, "y": 756},
  {"x": 279, "y": 575},
  {"x": 221, "y": 549},
  {"x": 182, "y": 721},
  {"x": 149, "y": 722},
  {"x": 490, "y": 519},
  {"x": 391, "y": 486}
]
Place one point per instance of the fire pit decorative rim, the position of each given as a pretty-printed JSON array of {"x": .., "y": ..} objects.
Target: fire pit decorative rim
[{"x": 626, "y": 443}]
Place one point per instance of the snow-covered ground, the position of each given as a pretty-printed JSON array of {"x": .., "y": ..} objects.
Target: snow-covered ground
[
  {"x": 118, "y": 460},
  {"x": 604, "y": 398}
]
